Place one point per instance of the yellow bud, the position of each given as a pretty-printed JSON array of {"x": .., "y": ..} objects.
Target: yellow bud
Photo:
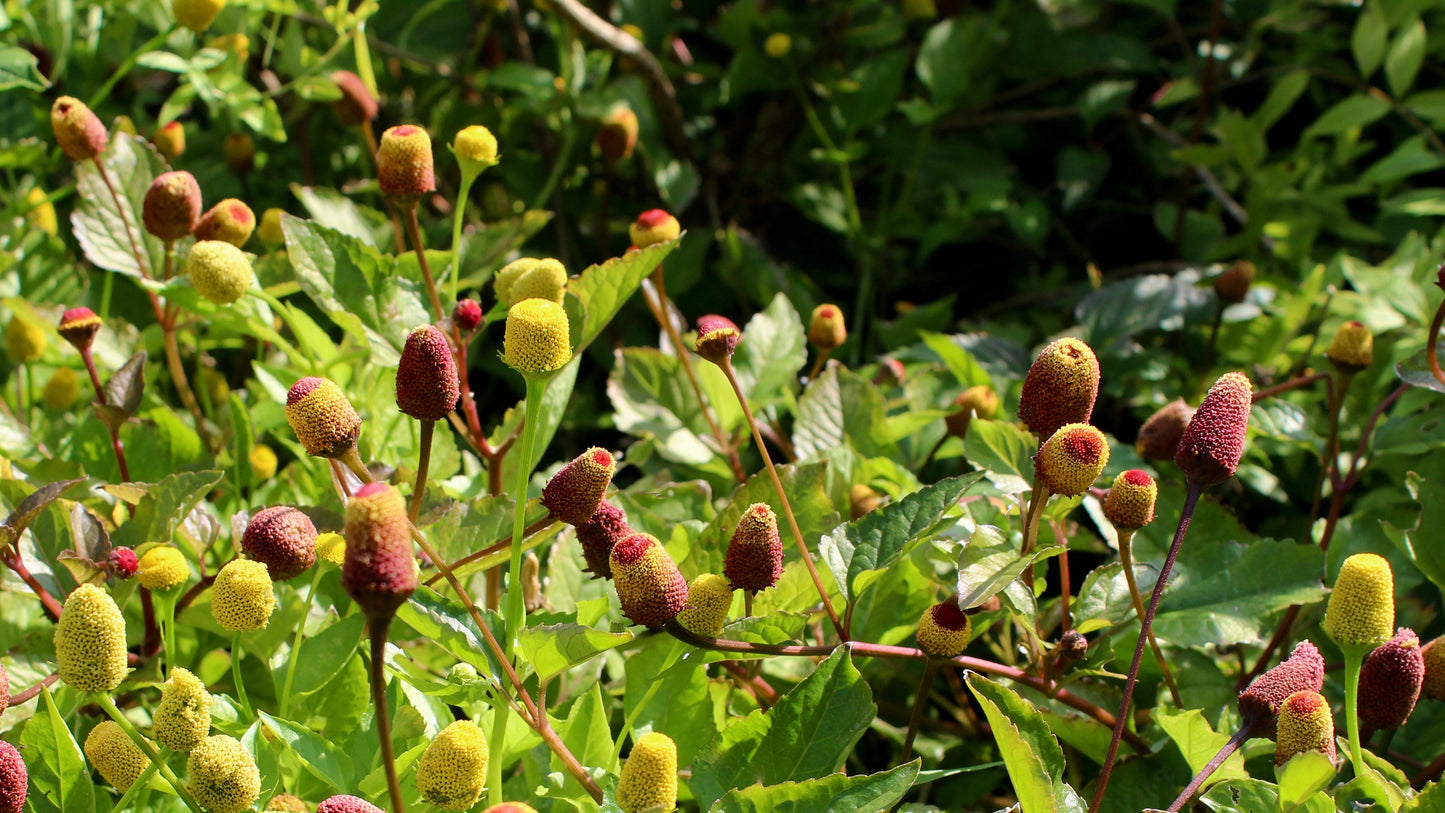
[
  {"x": 90, "y": 651},
  {"x": 230, "y": 221},
  {"x": 322, "y": 417},
  {"x": 162, "y": 568},
  {"x": 540, "y": 277},
  {"x": 219, "y": 271},
  {"x": 476, "y": 149},
  {"x": 197, "y": 15},
  {"x": 778, "y": 45},
  {"x": 1305, "y": 724},
  {"x": 62, "y": 389},
  {"x": 404, "y": 163},
  {"x": 170, "y": 140},
  {"x": 1130, "y": 503},
  {"x": 77, "y": 129},
  {"x": 118, "y": 759},
  {"x": 709, "y": 597},
  {"x": 286, "y": 803},
  {"x": 239, "y": 153},
  {"x": 827, "y": 329},
  {"x": 269, "y": 229},
  {"x": 24, "y": 340},
  {"x": 263, "y": 462},
  {"x": 224, "y": 778},
  {"x": 1061, "y": 387},
  {"x": 649, "y": 778},
  {"x": 536, "y": 339},
  {"x": 453, "y": 768},
  {"x": 183, "y": 719},
  {"x": 1352, "y": 349},
  {"x": 1072, "y": 459},
  {"x": 943, "y": 630},
  {"x": 42, "y": 212},
  {"x": 242, "y": 597},
  {"x": 1361, "y": 612},
  {"x": 653, "y": 226},
  {"x": 331, "y": 547}
]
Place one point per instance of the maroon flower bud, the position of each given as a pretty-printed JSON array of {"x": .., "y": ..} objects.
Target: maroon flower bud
[
  {"x": 78, "y": 130},
  {"x": 347, "y": 804},
  {"x": 123, "y": 562},
  {"x": 1072, "y": 646},
  {"x": 1390, "y": 681},
  {"x": 574, "y": 493},
  {"x": 717, "y": 338},
  {"x": 79, "y": 326},
  {"x": 1159, "y": 436},
  {"x": 1213, "y": 443},
  {"x": 755, "y": 553},
  {"x": 379, "y": 572},
  {"x": 356, "y": 104},
  {"x": 283, "y": 539},
  {"x": 172, "y": 205},
  {"x": 943, "y": 630},
  {"x": 404, "y": 163},
  {"x": 14, "y": 779},
  {"x": 649, "y": 586},
  {"x": 426, "y": 377},
  {"x": 1233, "y": 285},
  {"x": 230, "y": 221},
  {"x": 467, "y": 315},
  {"x": 1060, "y": 388},
  {"x": 599, "y": 535},
  {"x": 1303, "y": 670}
]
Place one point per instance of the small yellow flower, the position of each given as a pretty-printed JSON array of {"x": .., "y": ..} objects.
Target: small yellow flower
[
  {"x": 90, "y": 651},
  {"x": 1305, "y": 724},
  {"x": 1352, "y": 349},
  {"x": 1130, "y": 503},
  {"x": 537, "y": 337},
  {"x": 183, "y": 719},
  {"x": 778, "y": 45},
  {"x": 943, "y": 630},
  {"x": 322, "y": 417},
  {"x": 709, "y": 597},
  {"x": 42, "y": 215},
  {"x": 1072, "y": 459},
  {"x": 476, "y": 149},
  {"x": 1361, "y": 611},
  {"x": 224, "y": 777},
  {"x": 649, "y": 778},
  {"x": 453, "y": 768},
  {"x": 162, "y": 568},
  {"x": 263, "y": 462},
  {"x": 24, "y": 340},
  {"x": 62, "y": 389},
  {"x": 269, "y": 229},
  {"x": 331, "y": 547},
  {"x": 219, "y": 271},
  {"x": 242, "y": 597},
  {"x": 118, "y": 759}
]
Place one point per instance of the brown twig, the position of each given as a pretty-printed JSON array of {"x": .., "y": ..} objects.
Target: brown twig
[
  {"x": 496, "y": 547},
  {"x": 1212, "y": 766},
  {"x": 34, "y": 691}
]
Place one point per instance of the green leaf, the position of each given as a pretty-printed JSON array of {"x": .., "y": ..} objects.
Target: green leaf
[
  {"x": 603, "y": 288},
  {"x": 1034, "y": 760},
  {"x": 334, "y": 210},
  {"x": 326, "y": 763},
  {"x": 1425, "y": 543},
  {"x": 1004, "y": 450},
  {"x": 681, "y": 705},
  {"x": 841, "y": 407},
  {"x": 1356, "y": 111},
  {"x": 651, "y": 397},
  {"x": 586, "y": 734},
  {"x": 807, "y": 735},
  {"x": 957, "y": 358},
  {"x": 772, "y": 350},
  {"x": 164, "y": 506},
  {"x": 1301, "y": 778},
  {"x": 1130, "y": 306},
  {"x": 20, "y": 69},
  {"x": 1199, "y": 742},
  {"x": 555, "y": 648},
  {"x": 1416, "y": 371},
  {"x": 1233, "y": 600},
  {"x": 1430, "y": 797},
  {"x": 875, "y": 792},
  {"x": 1406, "y": 55},
  {"x": 447, "y": 622},
  {"x": 1368, "y": 41},
  {"x": 990, "y": 562},
  {"x": 100, "y": 228},
  {"x": 323, "y": 655},
  {"x": 875, "y": 85},
  {"x": 57, "y": 767},
  {"x": 1104, "y": 599},
  {"x": 877, "y": 540}
]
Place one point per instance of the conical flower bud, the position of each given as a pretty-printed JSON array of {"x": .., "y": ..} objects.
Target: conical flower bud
[
  {"x": 1233, "y": 285},
  {"x": 270, "y": 230},
  {"x": 79, "y": 131},
  {"x": 1352, "y": 349},
  {"x": 1072, "y": 647},
  {"x": 1305, "y": 724},
  {"x": 1303, "y": 670},
  {"x": 827, "y": 330},
  {"x": 1434, "y": 656},
  {"x": 476, "y": 149},
  {"x": 24, "y": 340},
  {"x": 531, "y": 278},
  {"x": 347, "y": 804},
  {"x": 1159, "y": 436},
  {"x": 1060, "y": 388},
  {"x": 427, "y": 387},
  {"x": 717, "y": 338},
  {"x": 979, "y": 401},
  {"x": 1130, "y": 503},
  {"x": 230, "y": 221},
  {"x": 1361, "y": 611},
  {"x": 1390, "y": 681},
  {"x": 14, "y": 780},
  {"x": 1212, "y": 444},
  {"x": 183, "y": 719},
  {"x": 574, "y": 494},
  {"x": 90, "y": 651},
  {"x": 943, "y": 630},
  {"x": 467, "y": 315},
  {"x": 404, "y": 163},
  {"x": 118, "y": 759},
  {"x": 282, "y": 538},
  {"x": 197, "y": 15},
  {"x": 453, "y": 768},
  {"x": 709, "y": 597},
  {"x": 653, "y": 226},
  {"x": 223, "y": 775},
  {"x": 380, "y": 571},
  {"x": 322, "y": 418},
  {"x": 170, "y": 140},
  {"x": 649, "y": 585},
  {"x": 356, "y": 104},
  {"x": 1072, "y": 459},
  {"x": 238, "y": 151},
  {"x": 649, "y": 777},
  {"x": 79, "y": 326},
  {"x": 862, "y": 499},
  {"x": 618, "y": 136},
  {"x": 286, "y": 803},
  {"x": 219, "y": 271},
  {"x": 172, "y": 205},
  {"x": 599, "y": 534},
  {"x": 537, "y": 339},
  {"x": 242, "y": 597},
  {"x": 754, "y": 558},
  {"x": 162, "y": 568}
]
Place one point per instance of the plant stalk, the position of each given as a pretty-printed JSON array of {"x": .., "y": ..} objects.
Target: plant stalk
[
  {"x": 292, "y": 659},
  {"x": 377, "y": 671},
  {"x": 920, "y": 705},
  {"x": 423, "y": 463},
  {"x": 1213, "y": 765},
  {"x": 1126, "y": 557},
  {"x": 236, "y": 655},
  {"x": 413, "y": 232},
  {"x": 108, "y": 706},
  {"x": 1432, "y": 337}
]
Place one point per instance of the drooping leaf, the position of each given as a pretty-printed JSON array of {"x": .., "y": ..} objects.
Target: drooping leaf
[
  {"x": 990, "y": 562},
  {"x": 1034, "y": 760},
  {"x": 875, "y": 792},
  {"x": 30, "y": 507},
  {"x": 324, "y": 762},
  {"x": 20, "y": 69},
  {"x": 447, "y": 622},
  {"x": 163, "y": 507},
  {"x": 56, "y": 765},
  {"x": 554, "y": 648}
]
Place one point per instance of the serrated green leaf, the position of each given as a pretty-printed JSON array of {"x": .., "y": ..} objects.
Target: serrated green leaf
[
  {"x": 100, "y": 228},
  {"x": 1104, "y": 599},
  {"x": 990, "y": 563},
  {"x": 807, "y": 735},
  {"x": 880, "y": 538},
  {"x": 1003, "y": 450},
  {"x": 1199, "y": 742},
  {"x": 1301, "y": 778},
  {"x": 1235, "y": 599},
  {"x": 322, "y": 655},
  {"x": 772, "y": 350},
  {"x": 1034, "y": 760},
  {"x": 57, "y": 767},
  {"x": 447, "y": 622},
  {"x": 1431, "y": 797},
  {"x": 651, "y": 397},
  {"x": 863, "y": 794},
  {"x": 163, "y": 506},
  {"x": 602, "y": 288},
  {"x": 554, "y": 648},
  {"x": 20, "y": 69},
  {"x": 681, "y": 705},
  {"x": 586, "y": 734},
  {"x": 324, "y": 762},
  {"x": 959, "y": 361},
  {"x": 841, "y": 407}
]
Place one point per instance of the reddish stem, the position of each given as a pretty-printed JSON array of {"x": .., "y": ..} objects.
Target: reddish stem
[
  {"x": 1212, "y": 766},
  {"x": 1432, "y": 336},
  {"x": 34, "y": 691},
  {"x": 14, "y": 561}
]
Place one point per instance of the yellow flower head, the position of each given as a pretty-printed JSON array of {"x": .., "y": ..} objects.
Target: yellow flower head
[
  {"x": 263, "y": 462},
  {"x": 219, "y": 271},
  {"x": 78, "y": 130},
  {"x": 943, "y": 630},
  {"x": 1361, "y": 612},
  {"x": 778, "y": 45},
  {"x": 1352, "y": 349},
  {"x": 649, "y": 778},
  {"x": 709, "y": 597},
  {"x": 90, "y": 651},
  {"x": 24, "y": 340},
  {"x": 476, "y": 149},
  {"x": 42, "y": 212},
  {"x": 196, "y": 14},
  {"x": 404, "y": 163},
  {"x": 162, "y": 568},
  {"x": 172, "y": 205},
  {"x": 230, "y": 221},
  {"x": 650, "y": 588},
  {"x": 113, "y": 753},
  {"x": 652, "y": 227},
  {"x": 1305, "y": 724},
  {"x": 238, "y": 44},
  {"x": 1060, "y": 388},
  {"x": 269, "y": 229},
  {"x": 1434, "y": 655},
  {"x": 224, "y": 778},
  {"x": 331, "y": 547},
  {"x": 574, "y": 493},
  {"x": 827, "y": 330},
  {"x": 322, "y": 418},
  {"x": 618, "y": 135},
  {"x": 242, "y": 597},
  {"x": 183, "y": 719},
  {"x": 453, "y": 768},
  {"x": 537, "y": 337},
  {"x": 238, "y": 150},
  {"x": 1130, "y": 503},
  {"x": 286, "y": 803},
  {"x": 62, "y": 389},
  {"x": 717, "y": 338},
  {"x": 1072, "y": 459},
  {"x": 531, "y": 278},
  {"x": 170, "y": 140}
]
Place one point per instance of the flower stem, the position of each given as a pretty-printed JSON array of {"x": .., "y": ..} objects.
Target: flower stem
[
  {"x": 455, "y": 275},
  {"x": 413, "y": 233},
  {"x": 423, "y": 463},
  {"x": 108, "y": 705},
  {"x": 377, "y": 671},
  {"x": 652, "y": 687},
  {"x": 236, "y": 655},
  {"x": 165, "y": 602},
  {"x": 726, "y": 365},
  {"x": 292, "y": 659},
  {"x": 1121, "y": 719},
  {"x": 920, "y": 704},
  {"x": 1212, "y": 766},
  {"x": 515, "y": 610},
  {"x": 138, "y": 785},
  {"x": 500, "y": 712},
  {"x": 1354, "y": 658},
  {"x": 1126, "y": 557},
  {"x": 1432, "y": 336}
]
